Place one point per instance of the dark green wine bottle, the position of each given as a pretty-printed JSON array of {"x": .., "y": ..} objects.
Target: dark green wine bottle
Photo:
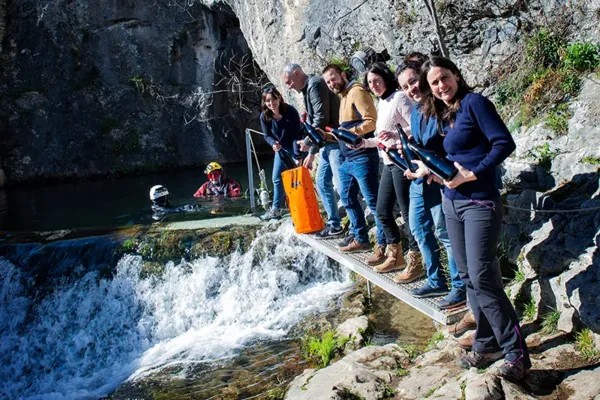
[
  {"x": 287, "y": 160},
  {"x": 314, "y": 135},
  {"x": 345, "y": 136},
  {"x": 407, "y": 154},
  {"x": 440, "y": 166},
  {"x": 394, "y": 156}
]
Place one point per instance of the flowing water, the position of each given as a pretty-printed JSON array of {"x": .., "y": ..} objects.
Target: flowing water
[{"x": 79, "y": 327}]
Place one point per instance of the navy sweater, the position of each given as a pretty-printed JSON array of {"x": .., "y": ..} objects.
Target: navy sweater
[
  {"x": 479, "y": 141},
  {"x": 286, "y": 131}
]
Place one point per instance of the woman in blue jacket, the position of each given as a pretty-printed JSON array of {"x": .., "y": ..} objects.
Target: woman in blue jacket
[
  {"x": 477, "y": 141},
  {"x": 282, "y": 129},
  {"x": 425, "y": 212}
]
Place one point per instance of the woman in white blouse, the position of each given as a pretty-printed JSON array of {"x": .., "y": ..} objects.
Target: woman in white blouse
[{"x": 393, "y": 107}]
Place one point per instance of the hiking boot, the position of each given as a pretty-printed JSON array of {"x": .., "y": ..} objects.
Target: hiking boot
[
  {"x": 414, "y": 269},
  {"x": 477, "y": 360},
  {"x": 377, "y": 257},
  {"x": 394, "y": 260},
  {"x": 355, "y": 246},
  {"x": 466, "y": 342},
  {"x": 467, "y": 323},
  {"x": 456, "y": 298},
  {"x": 428, "y": 291},
  {"x": 346, "y": 240},
  {"x": 272, "y": 213},
  {"x": 514, "y": 371},
  {"x": 329, "y": 232}
]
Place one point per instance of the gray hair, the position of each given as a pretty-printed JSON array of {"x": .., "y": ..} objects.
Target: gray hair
[{"x": 291, "y": 67}]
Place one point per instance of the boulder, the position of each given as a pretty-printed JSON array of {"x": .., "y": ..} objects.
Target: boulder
[
  {"x": 583, "y": 385},
  {"x": 354, "y": 329}
]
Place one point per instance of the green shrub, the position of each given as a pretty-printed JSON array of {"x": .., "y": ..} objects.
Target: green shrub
[
  {"x": 584, "y": 342},
  {"x": 581, "y": 56},
  {"x": 550, "y": 322},
  {"x": 543, "y": 155},
  {"x": 591, "y": 160},
  {"x": 323, "y": 349},
  {"x": 529, "y": 310},
  {"x": 558, "y": 119}
]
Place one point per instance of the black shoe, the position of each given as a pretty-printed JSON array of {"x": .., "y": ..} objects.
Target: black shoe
[
  {"x": 514, "y": 371},
  {"x": 329, "y": 232},
  {"x": 346, "y": 241},
  {"x": 477, "y": 360}
]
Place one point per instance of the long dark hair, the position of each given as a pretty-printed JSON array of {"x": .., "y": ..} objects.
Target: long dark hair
[
  {"x": 434, "y": 107},
  {"x": 271, "y": 90},
  {"x": 381, "y": 69}
]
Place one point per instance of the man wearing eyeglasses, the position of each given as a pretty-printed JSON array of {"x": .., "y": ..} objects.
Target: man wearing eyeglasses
[{"x": 322, "y": 109}]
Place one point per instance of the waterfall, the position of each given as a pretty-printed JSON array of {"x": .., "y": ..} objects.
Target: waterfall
[{"x": 90, "y": 333}]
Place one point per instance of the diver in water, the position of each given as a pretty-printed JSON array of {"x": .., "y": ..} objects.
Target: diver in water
[
  {"x": 218, "y": 183},
  {"x": 161, "y": 203}
]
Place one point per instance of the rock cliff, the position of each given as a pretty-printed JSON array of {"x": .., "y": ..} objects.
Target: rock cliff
[{"x": 107, "y": 87}]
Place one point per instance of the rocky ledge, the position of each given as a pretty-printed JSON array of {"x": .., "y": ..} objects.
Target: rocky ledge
[{"x": 560, "y": 371}]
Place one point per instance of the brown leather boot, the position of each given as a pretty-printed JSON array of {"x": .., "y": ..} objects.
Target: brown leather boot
[
  {"x": 394, "y": 260},
  {"x": 377, "y": 257},
  {"x": 354, "y": 247},
  {"x": 467, "y": 342},
  {"x": 465, "y": 324},
  {"x": 414, "y": 269}
]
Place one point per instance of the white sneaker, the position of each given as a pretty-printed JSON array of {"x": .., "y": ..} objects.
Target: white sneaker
[{"x": 273, "y": 213}]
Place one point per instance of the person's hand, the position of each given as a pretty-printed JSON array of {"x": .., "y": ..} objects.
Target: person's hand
[
  {"x": 421, "y": 171},
  {"x": 321, "y": 131},
  {"x": 387, "y": 135},
  {"x": 361, "y": 145},
  {"x": 434, "y": 178},
  {"x": 463, "y": 176},
  {"x": 276, "y": 146},
  {"x": 303, "y": 146},
  {"x": 308, "y": 161}
]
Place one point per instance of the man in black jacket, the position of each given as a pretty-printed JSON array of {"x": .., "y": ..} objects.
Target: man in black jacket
[{"x": 322, "y": 109}]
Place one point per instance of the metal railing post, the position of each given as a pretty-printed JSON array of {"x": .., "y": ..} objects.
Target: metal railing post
[{"x": 250, "y": 171}]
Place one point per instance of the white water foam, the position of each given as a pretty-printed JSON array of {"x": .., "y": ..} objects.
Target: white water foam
[{"x": 88, "y": 336}]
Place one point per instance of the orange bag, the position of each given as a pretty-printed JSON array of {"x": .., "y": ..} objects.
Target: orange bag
[{"x": 302, "y": 200}]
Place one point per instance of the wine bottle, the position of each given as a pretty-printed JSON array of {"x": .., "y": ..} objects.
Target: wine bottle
[
  {"x": 407, "y": 153},
  {"x": 394, "y": 156},
  {"x": 287, "y": 160},
  {"x": 439, "y": 166},
  {"x": 345, "y": 136},
  {"x": 314, "y": 135}
]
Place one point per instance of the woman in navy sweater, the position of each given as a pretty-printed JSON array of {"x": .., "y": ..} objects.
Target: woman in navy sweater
[
  {"x": 282, "y": 129},
  {"x": 477, "y": 141}
]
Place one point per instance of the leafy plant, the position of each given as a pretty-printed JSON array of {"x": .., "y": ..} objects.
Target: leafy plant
[
  {"x": 431, "y": 391},
  {"x": 550, "y": 322},
  {"x": 584, "y": 342},
  {"x": 591, "y": 160},
  {"x": 412, "y": 350},
  {"x": 558, "y": 119},
  {"x": 519, "y": 277},
  {"x": 437, "y": 337},
  {"x": 402, "y": 372},
  {"x": 543, "y": 154},
  {"x": 582, "y": 56},
  {"x": 324, "y": 348},
  {"x": 388, "y": 392},
  {"x": 529, "y": 310}
]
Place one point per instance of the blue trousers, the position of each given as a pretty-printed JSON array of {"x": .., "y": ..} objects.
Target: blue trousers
[
  {"x": 361, "y": 174},
  {"x": 328, "y": 181}
]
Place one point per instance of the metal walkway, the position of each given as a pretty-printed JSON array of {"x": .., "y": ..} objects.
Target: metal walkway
[{"x": 355, "y": 262}]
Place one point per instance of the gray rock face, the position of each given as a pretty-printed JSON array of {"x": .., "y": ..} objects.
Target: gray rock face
[
  {"x": 365, "y": 372},
  {"x": 98, "y": 87}
]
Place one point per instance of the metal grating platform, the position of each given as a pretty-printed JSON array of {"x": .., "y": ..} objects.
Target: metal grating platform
[{"x": 355, "y": 262}]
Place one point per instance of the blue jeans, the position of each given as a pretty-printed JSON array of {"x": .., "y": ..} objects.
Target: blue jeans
[
  {"x": 278, "y": 190},
  {"x": 328, "y": 181},
  {"x": 361, "y": 174},
  {"x": 425, "y": 216}
]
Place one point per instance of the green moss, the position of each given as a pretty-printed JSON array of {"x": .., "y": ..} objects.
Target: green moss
[
  {"x": 431, "y": 391},
  {"x": 402, "y": 372},
  {"x": 388, "y": 392},
  {"x": 128, "y": 246}
]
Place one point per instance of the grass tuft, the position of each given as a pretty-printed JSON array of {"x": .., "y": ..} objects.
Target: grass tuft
[
  {"x": 584, "y": 342},
  {"x": 550, "y": 322}
]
